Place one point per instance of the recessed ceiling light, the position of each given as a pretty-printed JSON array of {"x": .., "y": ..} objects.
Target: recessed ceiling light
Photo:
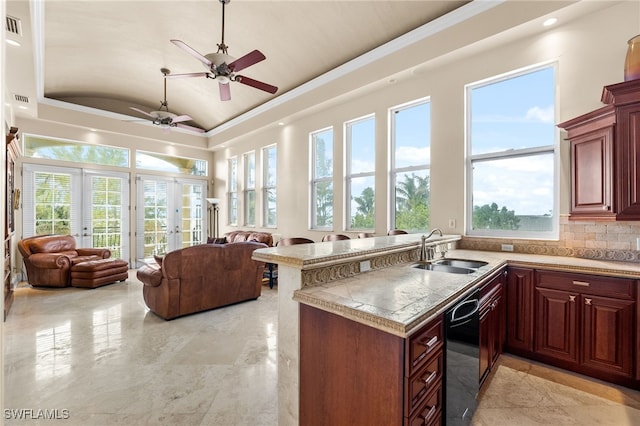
[
  {"x": 549, "y": 22},
  {"x": 281, "y": 123},
  {"x": 22, "y": 107},
  {"x": 94, "y": 130},
  {"x": 12, "y": 42}
]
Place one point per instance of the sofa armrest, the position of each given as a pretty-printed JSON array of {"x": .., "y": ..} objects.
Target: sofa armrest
[
  {"x": 150, "y": 275},
  {"x": 102, "y": 252},
  {"x": 50, "y": 261}
]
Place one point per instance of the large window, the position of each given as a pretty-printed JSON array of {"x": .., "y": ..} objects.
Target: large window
[
  {"x": 78, "y": 152},
  {"x": 170, "y": 163},
  {"x": 322, "y": 179},
  {"x": 360, "y": 163},
  {"x": 250, "y": 189},
  {"x": 410, "y": 161},
  {"x": 232, "y": 194},
  {"x": 269, "y": 195},
  {"x": 512, "y": 156}
]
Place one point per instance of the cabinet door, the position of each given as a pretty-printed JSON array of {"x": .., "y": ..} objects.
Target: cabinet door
[
  {"x": 498, "y": 325},
  {"x": 556, "y": 324},
  {"x": 608, "y": 324},
  {"x": 591, "y": 174},
  {"x": 485, "y": 343},
  {"x": 520, "y": 311}
]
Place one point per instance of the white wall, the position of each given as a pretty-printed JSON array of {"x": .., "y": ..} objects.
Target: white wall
[{"x": 590, "y": 53}]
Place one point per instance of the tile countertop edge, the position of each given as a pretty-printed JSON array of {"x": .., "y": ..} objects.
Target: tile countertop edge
[
  {"x": 304, "y": 256},
  {"x": 500, "y": 260}
]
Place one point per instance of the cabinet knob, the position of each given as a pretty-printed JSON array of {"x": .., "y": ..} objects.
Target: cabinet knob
[
  {"x": 587, "y": 301},
  {"x": 572, "y": 298}
]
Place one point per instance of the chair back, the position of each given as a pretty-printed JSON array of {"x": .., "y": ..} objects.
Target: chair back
[
  {"x": 335, "y": 237},
  {"x": 293, "y": 241},
  {"x": 397, "y": 232},
  {"x": 366, "y": 234}
]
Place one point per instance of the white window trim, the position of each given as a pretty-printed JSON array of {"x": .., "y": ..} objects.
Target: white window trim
[
  {"x": 247, "y": 188},
  {"x": 348, "y": 176},
  {"x": 313, "y": 181},
  {"x": 230, "y": 191},
  {"x": 266, "y": 187},
  {"x": 471, "y": 159}
]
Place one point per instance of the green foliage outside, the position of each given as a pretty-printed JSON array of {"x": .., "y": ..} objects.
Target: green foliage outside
[
  {"x": 364, "y": 217},
  {"x": 413, "y": 196},
  {"x": 491, "y": 217}
]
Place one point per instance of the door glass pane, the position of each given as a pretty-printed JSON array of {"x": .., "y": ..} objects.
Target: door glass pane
[
  {"x": 52, "y": 203},
  {"x": 107, "y": 214},
  {"x": 155, "y": 218},
  {"x": 191, "y": 215}
]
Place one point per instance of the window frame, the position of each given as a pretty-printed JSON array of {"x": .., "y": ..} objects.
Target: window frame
[
  {"x": 395, "y": 171},
  {"x": 249, "y": 188},
  {"x": 315, "y": 181},
  {"x": 349, "y": 176},
  {"x": 266, "y": 187},
  {"x": 232, "y": 191},
  {"x": 470, "y": 159}
]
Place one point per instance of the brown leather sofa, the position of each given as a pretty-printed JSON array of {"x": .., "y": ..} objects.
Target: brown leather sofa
[
  {"x": 202, "y": 277},
  {"x": 48, "y": 259},
  {"x": 239, "y": 236}
]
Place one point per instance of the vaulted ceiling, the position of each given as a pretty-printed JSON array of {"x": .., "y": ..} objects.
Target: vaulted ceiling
[{"x": 106, "y": 56}]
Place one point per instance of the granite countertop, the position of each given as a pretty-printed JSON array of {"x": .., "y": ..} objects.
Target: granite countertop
[{"x": 400, "y": 299}]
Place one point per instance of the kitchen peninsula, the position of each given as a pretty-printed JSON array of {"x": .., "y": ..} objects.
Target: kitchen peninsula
[{"x": 370, "y": 282}]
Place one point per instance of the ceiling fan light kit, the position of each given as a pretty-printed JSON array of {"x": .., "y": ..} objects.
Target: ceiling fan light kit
[
  {"x": 223, "y": 67},
  {"x": 165, "y": 119}
]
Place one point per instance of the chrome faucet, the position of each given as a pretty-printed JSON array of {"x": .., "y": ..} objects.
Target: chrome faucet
[{"x": 433, "y": 231}]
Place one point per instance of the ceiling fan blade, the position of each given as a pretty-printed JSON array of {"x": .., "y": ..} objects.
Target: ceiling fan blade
[
  {"x": 191, "y": 128},
  {"x": 225, "y": 91},
  {"x": 189, "y": 74},
  {"x": 181, "y": 118},
  {"x": 184, "y": 46},
  {"x": 257, "y": 84},
  {"x": 247, "y": 60},
  {"x": 142, "y": 112}
]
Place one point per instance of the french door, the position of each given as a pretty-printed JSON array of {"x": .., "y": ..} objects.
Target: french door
[
  {"x": 93, "y": 206},
  {"x": 169, "y": 215}
]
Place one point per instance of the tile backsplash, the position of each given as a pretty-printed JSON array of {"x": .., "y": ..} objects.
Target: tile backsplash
[{"x": 587, "y": 239}]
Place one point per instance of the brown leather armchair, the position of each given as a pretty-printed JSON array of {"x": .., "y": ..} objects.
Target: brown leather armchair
[
  {"x": 202, "y": 277},
  {"x": 48, "y": 258}
]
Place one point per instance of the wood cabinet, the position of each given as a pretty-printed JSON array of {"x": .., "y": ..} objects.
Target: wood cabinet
[
  {"x": 492, "y": 323},
  {"x": 10, "y": 197},
  {"x": 586, "y": 323},
  {"x": 351, "y": 373},
  {"x": 605, "y": 157},
  {"x": 519, "y": 309}
]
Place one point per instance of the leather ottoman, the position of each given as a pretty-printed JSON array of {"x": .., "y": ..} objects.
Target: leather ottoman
[{"x": 96, "y": 273}]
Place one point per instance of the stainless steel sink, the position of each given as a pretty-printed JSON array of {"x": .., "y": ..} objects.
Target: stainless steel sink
[
  {"x": 444, "y": 268},
  {"x": 462, "y": 263}
]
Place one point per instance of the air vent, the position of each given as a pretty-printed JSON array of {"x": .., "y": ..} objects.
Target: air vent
[
  {"x": 14, "y": 26},
  {"x": 21, "y": 98}
]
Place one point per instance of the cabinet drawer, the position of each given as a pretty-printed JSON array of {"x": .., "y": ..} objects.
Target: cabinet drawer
[
  {"x": 428, "y": 340},
  {"x": 620, "y": 288},
  {"x": 423, "y": 381},
  {"x": 429, "y": 413}
]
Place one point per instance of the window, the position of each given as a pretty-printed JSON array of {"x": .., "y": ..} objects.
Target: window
[
  {"x": 512, "y": 156},
  {"x": 410, "y": 161},
  {"x": 269, "y": 166},
  {"x": 232, "y": 195},
  {"x": 169, "y": 163},
  {"x": 322, "y": 179},
  {"x": 78, "y": 152},
  {"x": 250, "y": 189},
  {"x": 360, "y": 174}
]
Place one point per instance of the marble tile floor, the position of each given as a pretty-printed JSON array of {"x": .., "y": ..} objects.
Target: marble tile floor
[{"x": 99, "y": 357}]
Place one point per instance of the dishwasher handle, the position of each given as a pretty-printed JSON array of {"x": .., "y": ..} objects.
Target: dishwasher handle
[{"x": 456, "y": 321}]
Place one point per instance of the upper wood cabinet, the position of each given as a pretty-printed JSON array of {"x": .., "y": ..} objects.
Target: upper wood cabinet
[{"x": 605, "y": 156}]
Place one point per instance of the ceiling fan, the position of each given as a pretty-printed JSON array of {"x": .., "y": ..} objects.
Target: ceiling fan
[
  {"x": 223, "y": 67},
  {"x": 165, "y": 119}
]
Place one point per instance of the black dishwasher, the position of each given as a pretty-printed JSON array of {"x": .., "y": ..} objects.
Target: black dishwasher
[{"x": 462, "y": 333}]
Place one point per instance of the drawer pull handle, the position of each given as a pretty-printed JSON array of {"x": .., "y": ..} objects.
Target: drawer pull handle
[
  {"x": 430, "y": 414},
  {"x": 430, "y": 378},
  {"x": 431, "y": 342},
  {"x": 582, "y": 283},
  {"x": 587, "y": 301}
]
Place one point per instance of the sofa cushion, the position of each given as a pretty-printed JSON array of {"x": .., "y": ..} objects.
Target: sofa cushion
[
  {"x": 214, "y": 240},
  {"x": 240, "y": 236}
]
